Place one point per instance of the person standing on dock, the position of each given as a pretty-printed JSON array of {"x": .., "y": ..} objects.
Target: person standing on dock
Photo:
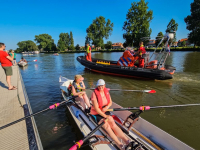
[
  {"x": 14, "y": 59},
  {"x": 6, "y": 63},
  {"x": 88, "y": 52}
]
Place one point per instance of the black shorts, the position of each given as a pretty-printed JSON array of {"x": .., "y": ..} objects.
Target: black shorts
[
  {"x": 14, "y": 59},
  {"x": 97, "y": 118}
]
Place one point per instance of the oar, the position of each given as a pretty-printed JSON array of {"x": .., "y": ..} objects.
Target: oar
[
  {"x": 50, "y": 107},
  {"x": 32, "y": 60},
  {"x": 146, "y": 91},
  {"x": 150, "y": 107},
  {"x": 79, "y": 143}
]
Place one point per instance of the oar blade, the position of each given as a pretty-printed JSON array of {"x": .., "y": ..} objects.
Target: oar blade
[{"x": 152, "y": 91}]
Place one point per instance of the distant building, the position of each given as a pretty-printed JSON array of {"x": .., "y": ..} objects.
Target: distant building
[
  {"x": 151, "y": 43},
  {"x": 82, "y": 47},
  {"x": 181, "y": 40},
  {"x": 175, "y": 44},
  {"x": 117, "y": 45}
]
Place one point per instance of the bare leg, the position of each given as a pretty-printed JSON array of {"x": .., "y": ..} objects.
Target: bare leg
[
  {"x": 80, "y": 99},
  {"x": 108, "y": 129},
  {"x": 86, "y": 100},
  {"x": 117, "y": 130},
  {"x": 15, "y": 62},
  {"x": 8, "y": 79}
]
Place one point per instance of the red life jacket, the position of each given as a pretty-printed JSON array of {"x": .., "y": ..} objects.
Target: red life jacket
[
  {"x": 142, "y": 50},
  {"x": 99, "y": 98}
]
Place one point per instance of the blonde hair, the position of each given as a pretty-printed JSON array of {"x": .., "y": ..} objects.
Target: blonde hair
[{"x": 77, "y": 77}]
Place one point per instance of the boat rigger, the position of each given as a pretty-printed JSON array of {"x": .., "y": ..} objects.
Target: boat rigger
[{"x": 142, "y": 134}]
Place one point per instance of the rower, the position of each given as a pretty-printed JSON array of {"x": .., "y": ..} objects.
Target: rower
[
  {"x": 101, "y": 101},
  {"x": 78, "y": 89},
  {"x": 22, "y": 60}
]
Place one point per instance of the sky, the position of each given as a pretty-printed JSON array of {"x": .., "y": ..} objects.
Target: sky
[{"x": 21, "y": 20}]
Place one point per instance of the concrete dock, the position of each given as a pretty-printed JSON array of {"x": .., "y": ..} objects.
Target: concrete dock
[{"x": 14, "y": 104}]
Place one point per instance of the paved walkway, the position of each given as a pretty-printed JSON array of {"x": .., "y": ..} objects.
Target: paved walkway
[{"x": 15, "y": 136}]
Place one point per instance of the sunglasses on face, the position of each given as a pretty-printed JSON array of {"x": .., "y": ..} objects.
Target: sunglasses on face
[{"x": 100, "y": 85}]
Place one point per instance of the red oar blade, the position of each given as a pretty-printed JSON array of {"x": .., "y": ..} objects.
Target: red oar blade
[{"x": 152, "y": 91}]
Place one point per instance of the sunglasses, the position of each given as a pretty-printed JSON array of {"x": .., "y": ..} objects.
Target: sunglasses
[{"x": 100, "y": 85}]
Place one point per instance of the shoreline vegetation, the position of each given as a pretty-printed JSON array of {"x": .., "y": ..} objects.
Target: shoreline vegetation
[
  {"x": 122, "y": 50},
  {"x": 101, "y": 29}
]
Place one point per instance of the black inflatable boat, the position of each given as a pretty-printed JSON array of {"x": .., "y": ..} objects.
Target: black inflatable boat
[{"x": 111, "y": 67}]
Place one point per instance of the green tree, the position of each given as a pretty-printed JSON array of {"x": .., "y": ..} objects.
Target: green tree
[
  {"x": 158, "y": 39},
  {"x": 172, "y": 26},
  {"x": 183, "y": 44},
  {"x": 63, "y": 42},
  {"x": 77, "y": 47},
  {"x": 193, "y": 23},
  {"x": 22, "y": 46},
  {"x": 99, "y": 29},
  {"x": 71, "y": 42},
  {"x": 26, "y": 46},
  {"x": 45, "y": 42},
  {"x": 108, "y": 45},
  {"x": 87, "y": 40},
  {"x": 137, "y": 24}
]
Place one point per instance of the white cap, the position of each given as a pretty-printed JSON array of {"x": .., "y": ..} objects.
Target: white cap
[{"x": 100, "y": 82}]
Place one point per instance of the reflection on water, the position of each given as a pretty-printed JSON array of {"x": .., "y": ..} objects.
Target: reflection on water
[
  {"x": 24, "y": 68},
  {"x": 56, "y": 128}
]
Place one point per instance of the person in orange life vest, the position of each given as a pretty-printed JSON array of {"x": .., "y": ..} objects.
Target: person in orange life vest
[
  {"x": 78, "y": 89},
  {"x": 101, "y": 101},
  {"x": 141, "y": 51},
  {"x": 88, "y": 53}
]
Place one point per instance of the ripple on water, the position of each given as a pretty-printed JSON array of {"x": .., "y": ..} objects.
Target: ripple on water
[{"x": 56, "y": 128}]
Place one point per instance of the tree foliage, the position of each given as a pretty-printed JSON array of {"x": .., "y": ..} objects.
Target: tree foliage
[
  {"x": 77, "y": 47},
  {"x": 137, "y": 24},
  {"x": 45, "y": 42},
  {"x": 71, "y": 41},
  {"x": 108, "y": 45},
  {"x": 183, "y": 44},
  {"x": 99, "y": 29},
  {"x": 193, "y": 23},
  {"x": 26, "y": 46},
  {"x": 172, "y": 26},
  {"x": 158, "y": 38},
  {"x": 63, "y": 42}
]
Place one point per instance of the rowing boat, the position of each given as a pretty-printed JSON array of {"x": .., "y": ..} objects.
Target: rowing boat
[
  {"x": 22, "y": 63},
  {"x": 144, "y": 135}
]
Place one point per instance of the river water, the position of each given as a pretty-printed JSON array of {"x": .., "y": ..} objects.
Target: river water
[{"x": 55, "y": 126}]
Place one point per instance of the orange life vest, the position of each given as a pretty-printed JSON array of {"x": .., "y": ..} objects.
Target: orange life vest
[
  {"x": 142, "y": 50},
  {"x": 126, "y": 59},
  {"x": 99, "y": 98}
]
